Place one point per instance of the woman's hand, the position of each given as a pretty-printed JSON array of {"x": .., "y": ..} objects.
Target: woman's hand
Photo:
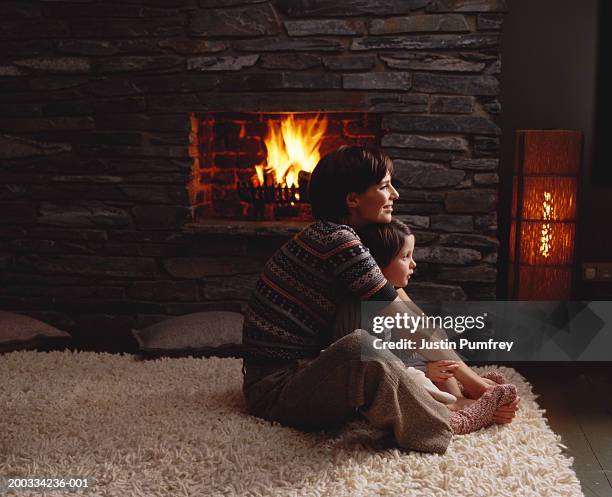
[{"x": 440, "y": 371}]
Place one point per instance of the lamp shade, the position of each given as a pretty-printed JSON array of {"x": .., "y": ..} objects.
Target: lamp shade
[{"x": 543, "y": 226}]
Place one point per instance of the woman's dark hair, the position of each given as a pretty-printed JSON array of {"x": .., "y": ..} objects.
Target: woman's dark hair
[
  {"x": 348, "y": 169},
  {"x": 384, "y": 240}
]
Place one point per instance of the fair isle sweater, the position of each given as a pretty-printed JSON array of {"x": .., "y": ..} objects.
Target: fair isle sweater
[{"x": 292, "y": 309}]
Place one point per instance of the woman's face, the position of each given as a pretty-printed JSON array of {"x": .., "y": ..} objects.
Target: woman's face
[
  {"x": 375, "y": 205},
  {"x": 401, "y": 267}
]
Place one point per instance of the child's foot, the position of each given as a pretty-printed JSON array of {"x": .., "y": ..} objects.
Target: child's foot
[
  {"x": 480, "y": 414},
  {"x": 495, "y": 376}
]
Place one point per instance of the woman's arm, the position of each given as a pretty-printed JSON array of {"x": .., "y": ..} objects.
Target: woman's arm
[
  {"x": 403, "y": 295},
  {"x": 473, "y": 383},
  {"x": 413, "y": 330}
]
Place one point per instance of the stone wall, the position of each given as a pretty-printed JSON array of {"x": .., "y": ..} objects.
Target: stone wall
[{"x": 94, "y": 155}]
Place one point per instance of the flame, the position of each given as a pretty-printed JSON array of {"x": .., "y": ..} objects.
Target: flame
[
  {"x": 259, "y": 175},
  {"x": 292, "y": 146},
  {"x": 546, "y": 234}
]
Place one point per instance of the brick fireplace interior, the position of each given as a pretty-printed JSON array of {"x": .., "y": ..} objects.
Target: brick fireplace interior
[
  {"x": 126, "y": 130},
  {"x": 230, "y": 146}
]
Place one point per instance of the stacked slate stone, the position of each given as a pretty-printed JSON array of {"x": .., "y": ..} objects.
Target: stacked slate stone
[{"x": 94, "y": 155}]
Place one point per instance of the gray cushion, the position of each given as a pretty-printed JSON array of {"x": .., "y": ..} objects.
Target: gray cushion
[
  {"x": 19, "y": 332},
  {"x": 202, "y": 334}
]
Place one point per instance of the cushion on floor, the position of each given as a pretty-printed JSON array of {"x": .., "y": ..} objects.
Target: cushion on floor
[
  {"x": 202, "y": 334},
  {"x": 19, "y": 332}
]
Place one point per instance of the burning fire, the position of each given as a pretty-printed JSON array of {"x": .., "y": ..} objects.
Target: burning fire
[
  {"x": 292, "y": 145},
  {"x": 546, "y": 234}
]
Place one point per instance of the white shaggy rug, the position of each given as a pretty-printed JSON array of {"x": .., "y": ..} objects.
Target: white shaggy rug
[{"x": 178, "y": 427}]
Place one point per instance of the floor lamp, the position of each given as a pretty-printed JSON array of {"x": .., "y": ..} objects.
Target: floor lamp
[{"x": 543, "y": 227}]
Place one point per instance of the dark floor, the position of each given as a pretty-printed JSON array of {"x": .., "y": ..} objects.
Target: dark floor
[{"x": 578, "y": 402}]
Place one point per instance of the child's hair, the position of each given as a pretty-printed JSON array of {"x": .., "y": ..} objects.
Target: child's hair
[
  {"x": 384, "y": 240},
  {"x": 348, "y": 169}
]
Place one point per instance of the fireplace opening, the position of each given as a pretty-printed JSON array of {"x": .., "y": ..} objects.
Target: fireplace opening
[{"x": 255, "y": 166}]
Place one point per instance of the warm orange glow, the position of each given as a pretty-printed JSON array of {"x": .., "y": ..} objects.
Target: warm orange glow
[
  {"x": 544, "y": 208},
  {"x": 546, "y": 238},
  {"x": 259, "y": 170},
  {"x": 292, "y": 146},
  {"x": 559, "y": 251},
  {"x": 562, "y": 190}
]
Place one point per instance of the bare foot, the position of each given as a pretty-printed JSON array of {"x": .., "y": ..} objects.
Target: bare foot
[
  {"x": 490, "y": 383},
  {"x": 478, "y": 388},
  {"x": 490, "y": 379}
]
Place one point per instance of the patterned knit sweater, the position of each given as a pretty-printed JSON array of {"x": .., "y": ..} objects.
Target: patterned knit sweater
[{"x": 292, "y": 309}]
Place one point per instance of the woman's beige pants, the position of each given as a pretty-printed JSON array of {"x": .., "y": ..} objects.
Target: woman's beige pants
[{"x": 347, "y": 378}]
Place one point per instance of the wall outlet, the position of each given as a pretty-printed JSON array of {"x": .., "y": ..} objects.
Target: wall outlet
[{"x": 597, "y": 271}]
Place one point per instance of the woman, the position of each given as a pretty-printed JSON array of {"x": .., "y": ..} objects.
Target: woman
[{"x": 293, "y": 372}]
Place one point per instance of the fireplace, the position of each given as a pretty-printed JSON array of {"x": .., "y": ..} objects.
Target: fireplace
[{"x": 256, "y": 166}]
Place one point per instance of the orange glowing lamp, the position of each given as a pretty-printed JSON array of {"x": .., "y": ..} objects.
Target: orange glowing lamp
[{"x": 543, "y": 227}]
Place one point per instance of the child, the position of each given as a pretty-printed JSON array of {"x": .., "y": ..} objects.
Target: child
[{"x": 392, "y": 247}]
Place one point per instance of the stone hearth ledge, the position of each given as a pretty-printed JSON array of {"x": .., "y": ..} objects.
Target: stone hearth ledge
[{"x": 243, "y": 227}]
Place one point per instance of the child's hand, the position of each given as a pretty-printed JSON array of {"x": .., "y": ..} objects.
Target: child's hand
[{"x": 438, "y": 371}]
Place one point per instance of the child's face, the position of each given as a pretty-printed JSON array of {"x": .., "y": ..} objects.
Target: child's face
[{"x": 402, "y": 266}]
